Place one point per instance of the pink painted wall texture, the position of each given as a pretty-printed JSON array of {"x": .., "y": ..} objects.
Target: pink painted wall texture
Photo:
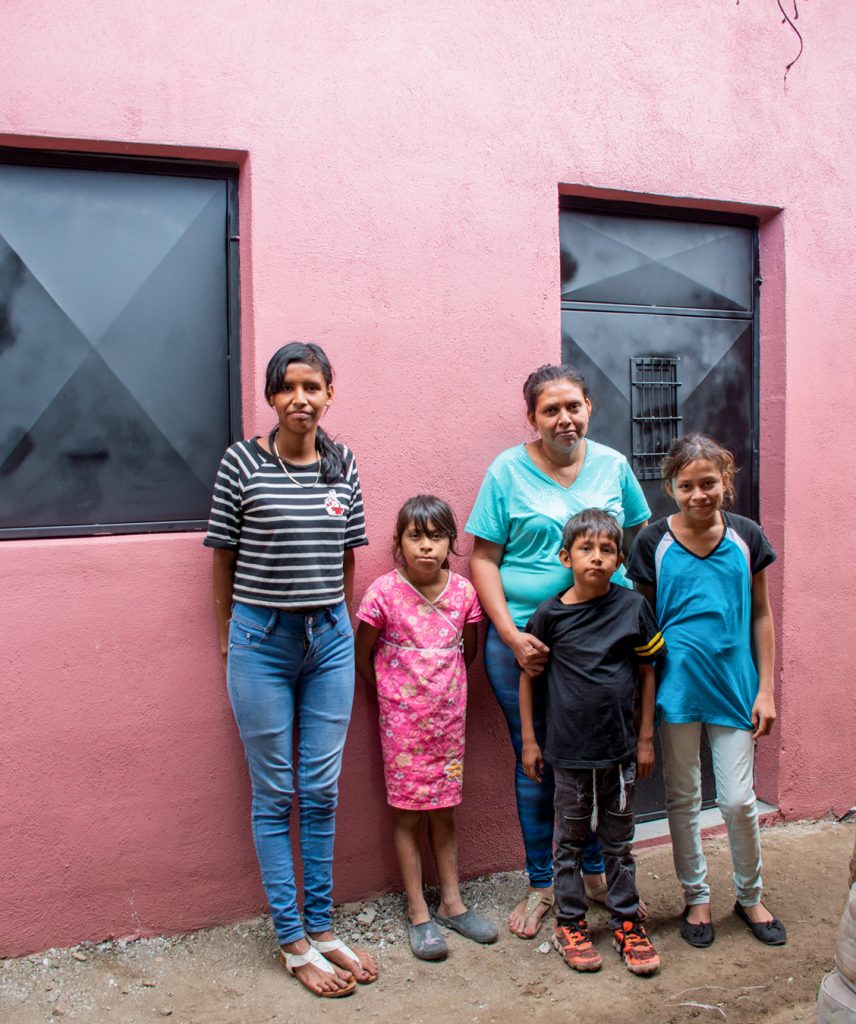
[{"x": 400, "y": 171}]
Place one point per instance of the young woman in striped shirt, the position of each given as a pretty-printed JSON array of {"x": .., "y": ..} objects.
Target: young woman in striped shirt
[{"x": 286, "y": 517}]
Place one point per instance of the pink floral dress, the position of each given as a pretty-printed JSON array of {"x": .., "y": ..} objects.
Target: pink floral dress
[{"x": 421, "y": 687}]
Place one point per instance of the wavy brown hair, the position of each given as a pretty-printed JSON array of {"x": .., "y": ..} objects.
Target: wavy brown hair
[{"x": 693, "y": 447}]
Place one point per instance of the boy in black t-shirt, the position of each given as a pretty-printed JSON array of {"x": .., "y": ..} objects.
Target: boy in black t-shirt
[{"x": 602, "y": 639}]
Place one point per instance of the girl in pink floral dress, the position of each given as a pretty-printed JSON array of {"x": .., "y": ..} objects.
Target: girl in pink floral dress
[{"x": 416, "y": 637}]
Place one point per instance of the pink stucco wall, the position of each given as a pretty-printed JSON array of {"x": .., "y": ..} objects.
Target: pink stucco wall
[{"x": 400, "y": 169}]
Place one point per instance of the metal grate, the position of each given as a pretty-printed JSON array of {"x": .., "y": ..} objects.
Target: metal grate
[{"x": 655, "y": 421}]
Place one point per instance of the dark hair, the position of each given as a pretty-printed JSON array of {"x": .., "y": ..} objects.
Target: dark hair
[
  {"x": 332, "y": 461},
  {"x": 421, "y": 510},
  {"x": 591, "y": 520},
  {"x": 693, "y": 447},
  {"x": 547, "y": 373}
]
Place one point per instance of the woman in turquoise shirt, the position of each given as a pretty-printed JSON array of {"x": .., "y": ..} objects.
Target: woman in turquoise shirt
[{"x": 528, "y": 494}]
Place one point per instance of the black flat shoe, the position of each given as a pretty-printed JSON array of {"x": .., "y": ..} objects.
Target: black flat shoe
[
  {"x": 698, "y": 935},
  {"x": 771, "y": 933}
]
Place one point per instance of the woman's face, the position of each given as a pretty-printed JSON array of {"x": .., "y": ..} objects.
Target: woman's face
[
  {"x": 561, "y": 416},
  {"x": 303, "y": 399}
]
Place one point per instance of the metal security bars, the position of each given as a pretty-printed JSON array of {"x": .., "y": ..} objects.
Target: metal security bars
[{"x": 655, "y": 421}]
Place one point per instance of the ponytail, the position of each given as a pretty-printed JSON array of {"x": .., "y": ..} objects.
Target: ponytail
[{"x": 332, "y": 459}]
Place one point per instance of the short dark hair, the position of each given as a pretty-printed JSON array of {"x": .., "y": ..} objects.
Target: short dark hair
[
  {"x": 591, "y": 520},
  {"x": 421, "y": 510},
  {"x": 546, "y": 374}
]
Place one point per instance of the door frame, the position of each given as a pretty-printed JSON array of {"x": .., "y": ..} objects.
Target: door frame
[{"x": 648, "y": 211}]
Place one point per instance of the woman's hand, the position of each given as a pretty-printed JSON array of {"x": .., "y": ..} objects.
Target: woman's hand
[
  {"x": 224, "y": 580},
  {"x": 530, "y": 653}
]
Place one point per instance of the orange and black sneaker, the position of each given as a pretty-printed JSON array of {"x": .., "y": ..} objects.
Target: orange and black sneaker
[
  {"x": 574, "y": 943},
  {"x": 636, "y": 949}
]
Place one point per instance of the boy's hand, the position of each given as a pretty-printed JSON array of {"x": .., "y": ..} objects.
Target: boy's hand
[
  {"x": 763, "y": 715},
  {"x": 533, "y": 762},
  {"x": 644, "y": 759}
]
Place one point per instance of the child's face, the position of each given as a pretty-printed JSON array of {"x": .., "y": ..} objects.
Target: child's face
[
  {"x": 424, "y": 551},
  {"x": 698, "y": 489},
  {"x": 593, "y": 557}
]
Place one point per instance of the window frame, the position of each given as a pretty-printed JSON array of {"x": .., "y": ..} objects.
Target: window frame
[{"x": 158, "y": 166}]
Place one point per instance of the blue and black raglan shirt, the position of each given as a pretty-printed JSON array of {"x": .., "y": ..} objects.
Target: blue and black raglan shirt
[
  {"x": 704, "y": 607},
  {"x": 591, "y": 675}
]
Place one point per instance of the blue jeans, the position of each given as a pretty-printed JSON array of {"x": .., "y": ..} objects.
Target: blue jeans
[
  {"x": 534, "y": 799},
  {"x": 284, "y": 667}
]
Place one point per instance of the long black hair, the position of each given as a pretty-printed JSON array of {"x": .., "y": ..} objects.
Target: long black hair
[{"x": 332, "y": 460}]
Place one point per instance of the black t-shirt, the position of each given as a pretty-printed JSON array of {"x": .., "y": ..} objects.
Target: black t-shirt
[{"x": 591, "y": 675}]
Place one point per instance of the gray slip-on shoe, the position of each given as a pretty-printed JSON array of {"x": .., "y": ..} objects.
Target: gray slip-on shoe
[
  {"x": 426, "y": 942},
  {"x": 471, "y": 925}
]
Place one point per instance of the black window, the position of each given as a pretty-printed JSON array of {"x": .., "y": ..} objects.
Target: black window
[{"x": 118, "y": 343}]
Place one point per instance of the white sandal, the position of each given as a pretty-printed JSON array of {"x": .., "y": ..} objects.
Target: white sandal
[
  {"x": 312, "y": 956},
  {"x": 329, "y": 945}
]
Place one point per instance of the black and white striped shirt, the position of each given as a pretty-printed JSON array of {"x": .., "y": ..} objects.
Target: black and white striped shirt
[{"x": 290, "y": 540}]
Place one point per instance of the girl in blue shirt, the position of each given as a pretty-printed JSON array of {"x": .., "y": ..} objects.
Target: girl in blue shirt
[{"x": 704, "y": 570}]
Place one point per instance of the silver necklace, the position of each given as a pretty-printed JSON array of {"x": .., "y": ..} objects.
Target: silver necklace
[
  {"x": 551, "y": 470},
  {"x": 297, "y": 483}
]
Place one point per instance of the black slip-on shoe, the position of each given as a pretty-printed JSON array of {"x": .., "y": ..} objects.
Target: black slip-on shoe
[
  {"x": 698, "y": 935},
  {"x": 771, "y": 933}
]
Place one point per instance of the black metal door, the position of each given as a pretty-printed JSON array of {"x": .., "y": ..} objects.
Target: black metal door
[{"x": 659, "y": 314}]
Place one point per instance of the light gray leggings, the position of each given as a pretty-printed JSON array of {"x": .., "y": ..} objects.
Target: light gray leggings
[{"x": 733, "y": 762}]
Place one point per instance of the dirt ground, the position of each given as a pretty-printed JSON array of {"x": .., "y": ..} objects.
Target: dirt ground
[{"x": 230, "y": 975}]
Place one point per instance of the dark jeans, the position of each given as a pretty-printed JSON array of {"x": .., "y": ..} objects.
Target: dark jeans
[
  {"x": 534, "y": 799},
  {"x": 577, "y": 792}
]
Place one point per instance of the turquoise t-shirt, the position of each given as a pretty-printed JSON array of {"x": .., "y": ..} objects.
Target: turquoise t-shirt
[{"x": 525, "y": 510}]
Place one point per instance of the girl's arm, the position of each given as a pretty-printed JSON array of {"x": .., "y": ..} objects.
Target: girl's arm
[
  {"x": 485, "y": 560},
  {"x": 533, "y": 761},
  {"x": 764, "y": 640},
  {"x": 348, "y": 563},
  {"x": 649, "y": 593},
  {"x": 645, "y": 739},
  {"x": 471, "y": 642},
  {"x": 224, "y": 583},
  {"x": 363, "y": 646}
]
